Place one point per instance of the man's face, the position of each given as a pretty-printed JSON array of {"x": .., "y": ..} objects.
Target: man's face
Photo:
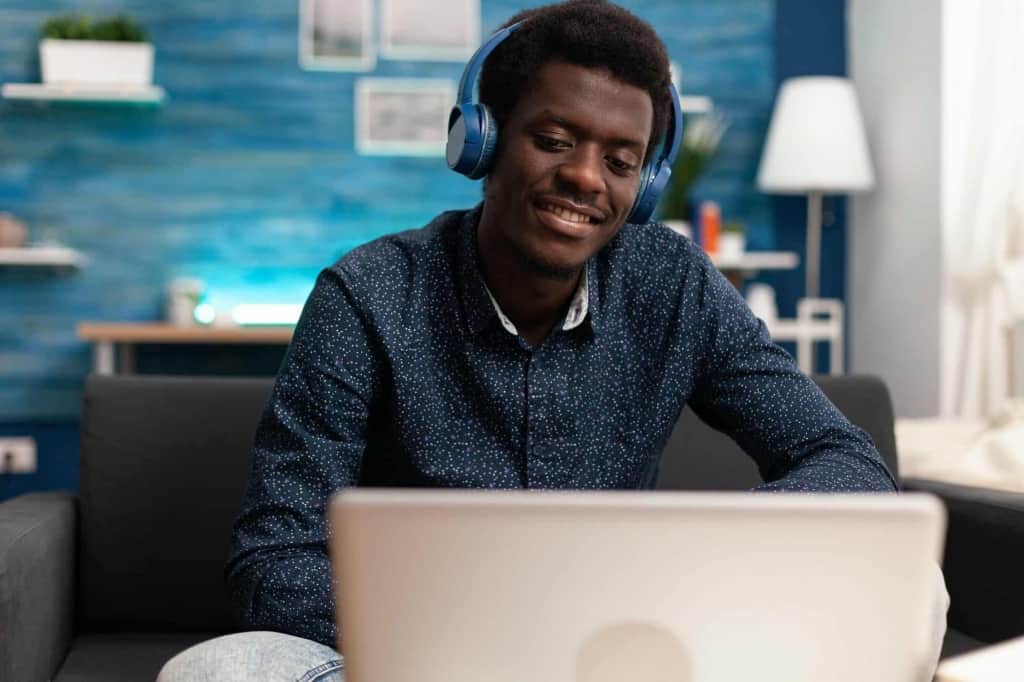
[{"x": 568, "y": 166}]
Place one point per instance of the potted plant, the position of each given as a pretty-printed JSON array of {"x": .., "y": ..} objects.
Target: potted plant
[
  {"x": 77, "y": 51},
  {"x": 699, "y": 145},
  {"x": 732, "y": 242}
]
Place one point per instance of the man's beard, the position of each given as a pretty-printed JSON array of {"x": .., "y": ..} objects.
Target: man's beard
[{"x": 549, "y": 270}]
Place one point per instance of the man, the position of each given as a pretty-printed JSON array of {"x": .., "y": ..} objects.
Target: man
[{"x": 536, "y": 341}]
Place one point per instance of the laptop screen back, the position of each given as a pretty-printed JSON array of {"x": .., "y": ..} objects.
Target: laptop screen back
[{"x": 464, "y": 586}]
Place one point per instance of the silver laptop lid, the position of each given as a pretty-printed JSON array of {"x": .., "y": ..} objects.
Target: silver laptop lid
[{"x": 466, "y": 586}]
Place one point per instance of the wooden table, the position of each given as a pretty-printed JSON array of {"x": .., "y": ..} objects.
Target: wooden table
[{"x": 114, "y": 348}]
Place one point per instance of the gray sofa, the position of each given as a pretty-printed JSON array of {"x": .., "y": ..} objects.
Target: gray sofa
[{"x": 109, "y": 583}]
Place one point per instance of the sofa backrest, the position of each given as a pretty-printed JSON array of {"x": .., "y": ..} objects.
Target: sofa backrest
[
  {"x": 700, "y": 458},
  {"x": 164, "y": 463}
]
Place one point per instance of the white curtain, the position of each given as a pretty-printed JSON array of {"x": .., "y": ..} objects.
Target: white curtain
[{"x": 982, "y": 202}]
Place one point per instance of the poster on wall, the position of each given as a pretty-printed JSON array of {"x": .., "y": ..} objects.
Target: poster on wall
[
  {"x": 336, "y": 35},
  {"x": 440, "y": 30},
  {"x": 403, "y": 116}
]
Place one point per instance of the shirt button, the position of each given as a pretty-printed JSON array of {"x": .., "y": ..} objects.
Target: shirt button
[{"x": 542, "y": 454}]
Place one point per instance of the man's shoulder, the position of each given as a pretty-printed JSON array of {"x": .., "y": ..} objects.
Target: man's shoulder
[
  {"x": 651, "y": 275},
  {"x": 653, "y": 248}
]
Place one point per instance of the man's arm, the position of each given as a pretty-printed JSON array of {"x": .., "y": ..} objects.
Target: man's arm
[
  {"x": 309, "y": 444},
  {"x": 752, "y": 390}
]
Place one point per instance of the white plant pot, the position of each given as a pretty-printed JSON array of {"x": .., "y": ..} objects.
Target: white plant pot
[
  {"x": 96, "y": 62},
  {"x": 731, "y": 245}
]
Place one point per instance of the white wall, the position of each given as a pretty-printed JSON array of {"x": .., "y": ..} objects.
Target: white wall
[{"x": 894, "y": 235}]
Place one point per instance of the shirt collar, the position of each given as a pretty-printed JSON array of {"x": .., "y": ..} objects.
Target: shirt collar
[
  {"x": 478, "y": 303},
  {"x": 573, "y": 317}
]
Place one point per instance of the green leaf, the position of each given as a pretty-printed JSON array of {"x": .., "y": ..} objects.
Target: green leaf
[
  {"x": 700, "y": 144},
  {"x": 121, "y": 28}
]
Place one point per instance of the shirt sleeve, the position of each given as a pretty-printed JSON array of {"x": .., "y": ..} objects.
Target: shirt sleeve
[
  {"x": 309, "y": 444},
  {"x": 751, "y": 389}
]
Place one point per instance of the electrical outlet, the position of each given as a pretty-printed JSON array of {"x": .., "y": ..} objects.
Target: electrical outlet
[{"x": 17, "y": 455}]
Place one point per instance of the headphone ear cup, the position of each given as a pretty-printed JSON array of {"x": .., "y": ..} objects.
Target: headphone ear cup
[
  {"x": 656, "y": 176},
  {"x": 462, "y": 152},
  {"x": 643, "y": 205},
  {"x": 488, "y": 142}
]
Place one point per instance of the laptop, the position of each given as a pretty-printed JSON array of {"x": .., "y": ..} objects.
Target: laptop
[{"x": 485, "y": 586}]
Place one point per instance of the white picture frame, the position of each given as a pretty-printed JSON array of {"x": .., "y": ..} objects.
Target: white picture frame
[
  {"x": 676, "y": 73},
  {"x": 403, "y": 116},
  {"x": 336, "y": 35},
  {"x": 439, "y": 30}
]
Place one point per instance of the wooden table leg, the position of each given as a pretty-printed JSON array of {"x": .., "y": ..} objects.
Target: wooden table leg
[
  {"x": 126, "y": 358},
  {"x": 735, "y": 277}
]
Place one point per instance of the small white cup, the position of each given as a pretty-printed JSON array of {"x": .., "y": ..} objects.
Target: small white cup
[{"x": 183, "y": 294}]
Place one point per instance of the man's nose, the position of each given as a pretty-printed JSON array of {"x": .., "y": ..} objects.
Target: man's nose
[{"x": 583, "y": 170}]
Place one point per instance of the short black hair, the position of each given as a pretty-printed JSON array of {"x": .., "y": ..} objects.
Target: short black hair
[{"x": 589, "y": 33}]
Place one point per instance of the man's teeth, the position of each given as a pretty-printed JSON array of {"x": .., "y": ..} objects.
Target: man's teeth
[{"x": 566, "y": 214}]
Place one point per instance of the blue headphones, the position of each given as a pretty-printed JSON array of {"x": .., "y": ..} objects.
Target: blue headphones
[{"x": 473, "y": 136}]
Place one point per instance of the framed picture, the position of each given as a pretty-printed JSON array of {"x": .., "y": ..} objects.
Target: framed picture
[
  {"x": 336, "y": 35},
  {"x": 440, "y": 30},
  {"x": 403, "y": 117}
]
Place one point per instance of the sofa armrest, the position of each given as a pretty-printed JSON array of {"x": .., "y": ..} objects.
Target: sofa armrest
[
  {"x": 984, "y": 558},
  {"x": 37, "y": 560}
]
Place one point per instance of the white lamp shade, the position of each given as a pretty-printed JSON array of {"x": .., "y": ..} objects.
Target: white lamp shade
[{"x": 816, "y": 140}]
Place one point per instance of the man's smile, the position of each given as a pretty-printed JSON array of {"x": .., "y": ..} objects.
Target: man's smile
[
  {"x": 566, "y": 214},
  {"x": 564, "y": 222},
  {"x": 567, "y": 218}
]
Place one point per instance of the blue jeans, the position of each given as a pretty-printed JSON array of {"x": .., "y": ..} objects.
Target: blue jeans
[{"x": 270, "y": 656}]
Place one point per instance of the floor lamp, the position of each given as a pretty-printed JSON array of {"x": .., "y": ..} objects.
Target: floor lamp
[{"x": 815, "y": 146}]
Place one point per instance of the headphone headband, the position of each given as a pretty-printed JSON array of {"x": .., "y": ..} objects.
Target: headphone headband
[
  {"x": 476, "y": 62},
  {"x": 674, "y": 132}
]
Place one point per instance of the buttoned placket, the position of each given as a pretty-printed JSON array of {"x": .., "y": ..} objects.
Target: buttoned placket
[
  {"x": 540, "y": 392},
  {"x": 544, "y": 429},
  {"x": 530, "y": 414}
]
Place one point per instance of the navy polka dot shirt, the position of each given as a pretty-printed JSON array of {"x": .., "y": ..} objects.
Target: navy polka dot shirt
[{"x": 400, "y": 373}]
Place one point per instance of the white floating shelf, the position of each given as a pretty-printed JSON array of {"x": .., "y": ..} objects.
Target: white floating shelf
[
  {"x": 55, "y": 256},
  {"x": 40, "y": 92},
  {"x": 757, "y": 260},
  {"x": 695, "y": 104}
]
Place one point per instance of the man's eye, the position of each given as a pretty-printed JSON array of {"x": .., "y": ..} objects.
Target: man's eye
[
  {"x": 550, "y": 143},
  {"x": 621, "y": 166}
]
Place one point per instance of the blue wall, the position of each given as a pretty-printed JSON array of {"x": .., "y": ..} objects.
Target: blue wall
[
  {"x": 247, "y": 177},
  {"x": 810, "y": 40}
]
